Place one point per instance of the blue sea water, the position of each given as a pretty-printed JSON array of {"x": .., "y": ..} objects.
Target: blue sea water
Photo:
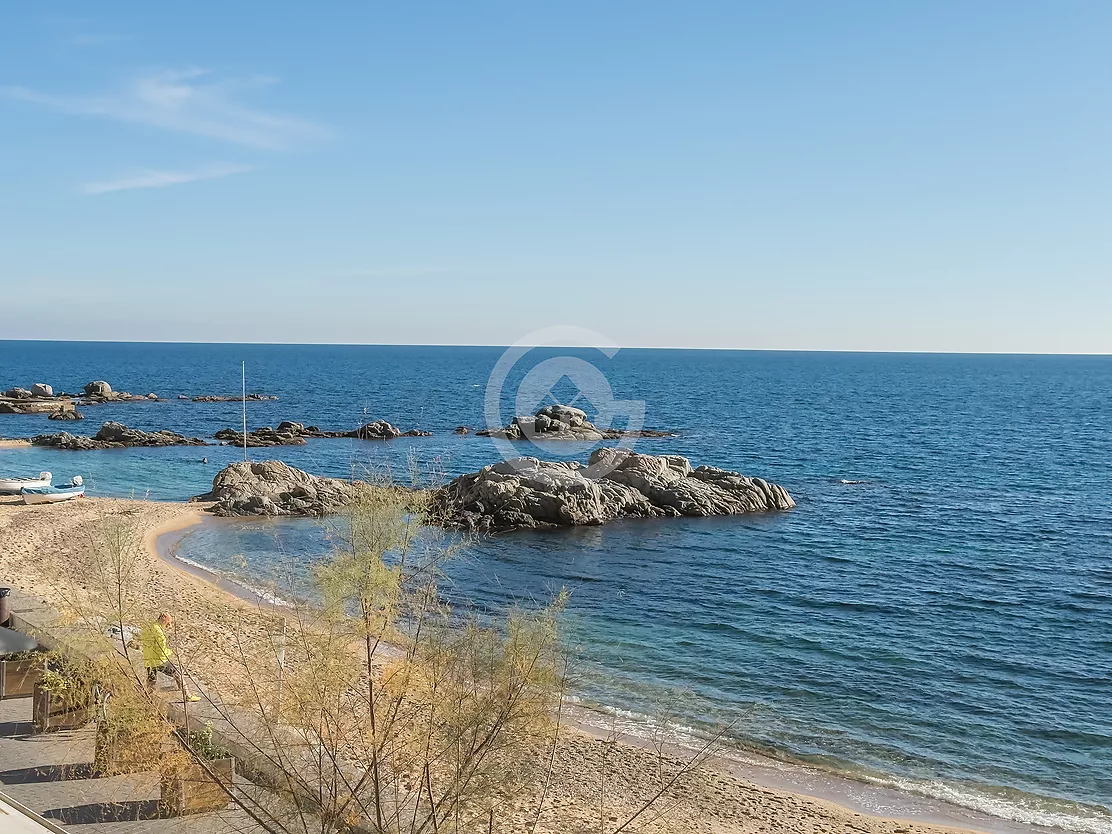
[{"x": 936, "y": 614}]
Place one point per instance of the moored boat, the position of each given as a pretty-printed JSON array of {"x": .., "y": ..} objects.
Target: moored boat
[
  {"x": 12, "y": 486},
  {"x": 53, "y": 494}
]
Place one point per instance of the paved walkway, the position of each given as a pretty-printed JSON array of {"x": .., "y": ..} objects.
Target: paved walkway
[{"x": 52, "y": 775}]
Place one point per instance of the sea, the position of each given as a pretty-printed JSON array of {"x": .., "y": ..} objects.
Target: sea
[{"x": 934, "y": 617}]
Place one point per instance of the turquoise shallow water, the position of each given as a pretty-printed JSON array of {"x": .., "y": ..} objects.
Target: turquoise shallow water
[{"x": 943, "y": 623}]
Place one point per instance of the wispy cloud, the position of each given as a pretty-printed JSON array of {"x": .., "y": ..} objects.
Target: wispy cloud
[
  {"x": 161, "y": 179},
  {"x": 187, "y": 101}
]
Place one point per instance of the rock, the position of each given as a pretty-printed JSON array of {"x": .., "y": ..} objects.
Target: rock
[
  {"x": 66, "y": 414},
  {"x": 565, "y": 414},
  {"x": 462, "y": 430},
  {"x": 288, "y": 433},
  {"x": 530, "y": 493},
  {"x": 17, "y": 394},
  {"x": 377, "y": 430},
  {"x": 238, "y": 398},
  {"x": 115, "y": 436},
  {"x": 183, "y": 396},
  {"x": 41, "y": 389},
  {"x": 274, "y": 488},
  {"x": 100, "y": 388},
  {"x": 563, "y": 422},
  {"x": 266, "y": 436},
  {"x": 152, "y": 396},
  {"x": 13, "y": 408}
]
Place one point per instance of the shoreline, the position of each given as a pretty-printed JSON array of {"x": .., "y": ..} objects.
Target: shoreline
[
  {"x": 802, "y": 781},
  {"x": 744, "y": 795}
]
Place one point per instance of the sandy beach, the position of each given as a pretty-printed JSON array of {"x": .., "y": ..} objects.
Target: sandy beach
[{"x": 38, "y": 543}]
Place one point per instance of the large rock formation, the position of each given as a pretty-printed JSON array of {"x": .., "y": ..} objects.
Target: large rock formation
[
  {"x": 530, "y": 493},
  {"x": 41, "y": 389},
  {"x": 66, "y": 414},
  {"x": 273, "y": 488},
  {"x": 18, "y": 393},
  {"x": 99, "y": 388},
  {"x": 115, "y": 436},
  {"x": 562, "y": 422}
]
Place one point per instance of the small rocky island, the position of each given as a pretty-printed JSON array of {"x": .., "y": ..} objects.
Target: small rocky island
[
  {"x": 527, "y": 493},
  {"x": 295, "y": 434},
  {"x": 562, "y": 422},
  {"x": 114, "y": 436},
  {"x": 219, "y": 398},
  {"x": 273, "y": 488}
]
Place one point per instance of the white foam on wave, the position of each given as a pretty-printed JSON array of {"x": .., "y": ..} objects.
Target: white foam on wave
[
  {"x": 1024, "y": 808},
  {"x": 264, "y": 595}
]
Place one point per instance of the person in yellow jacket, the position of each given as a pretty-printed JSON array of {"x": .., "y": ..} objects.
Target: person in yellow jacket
[{"x": 157, "y": 655}]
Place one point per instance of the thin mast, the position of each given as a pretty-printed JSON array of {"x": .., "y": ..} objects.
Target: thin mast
[{"x": 244, "y": 372}]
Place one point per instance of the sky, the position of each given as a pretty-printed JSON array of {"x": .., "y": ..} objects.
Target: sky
[{"x": 928, "y": 176}]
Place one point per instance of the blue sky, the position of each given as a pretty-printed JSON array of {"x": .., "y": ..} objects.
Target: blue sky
[{"x": 845, "y": 176}]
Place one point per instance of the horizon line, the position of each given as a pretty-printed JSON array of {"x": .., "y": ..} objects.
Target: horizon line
[{"x": 866, "y": 351}]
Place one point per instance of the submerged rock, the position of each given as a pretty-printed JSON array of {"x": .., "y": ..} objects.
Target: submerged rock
[
  {"x": 115, "y": 436},
  {"x": 530, "y": 493},
  {"x": 562, "y": 422},
  {"x": 273, "y": 488}
]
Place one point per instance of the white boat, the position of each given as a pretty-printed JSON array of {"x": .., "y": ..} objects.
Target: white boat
[
  {"x": 12, "y": 486},
  {"x": 53, "y": 494}
]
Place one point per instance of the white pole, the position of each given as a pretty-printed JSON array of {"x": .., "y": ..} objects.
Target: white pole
[{"x": 244, "y": 371}]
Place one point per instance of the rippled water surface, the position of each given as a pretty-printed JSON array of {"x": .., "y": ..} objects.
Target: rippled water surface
[{"x": 935, "y": 614}]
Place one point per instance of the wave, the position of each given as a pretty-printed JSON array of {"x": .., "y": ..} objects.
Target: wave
[
  {"x": 1007, "y": 804},
  {"x": 262, "y": 594},
  {"x": 1010, "y": 805}
]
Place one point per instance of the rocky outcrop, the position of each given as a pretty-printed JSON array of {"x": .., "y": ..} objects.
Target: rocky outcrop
[
  {"x": 295, "y": 434},
  {"x": 114, "y": 436},
  {"x": 237, "y": 398},
  {"x": 18, "y": 394},
  {"x": 381, "y": 430},
  {"x": 100, "y": 392},
  {"x": 462, "y": 430},
  {"x": 34, "y": 406},
  {"x": 41, "y": 389},
  {"x": 529, "y": 493},
  {"x": 287, "y": 434},
  {"x": 377, "y": 430},
  {"x": 66, "y": 414},
  {"x": 273, "y": 488},
  {"x": 562, "y": 422}
]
